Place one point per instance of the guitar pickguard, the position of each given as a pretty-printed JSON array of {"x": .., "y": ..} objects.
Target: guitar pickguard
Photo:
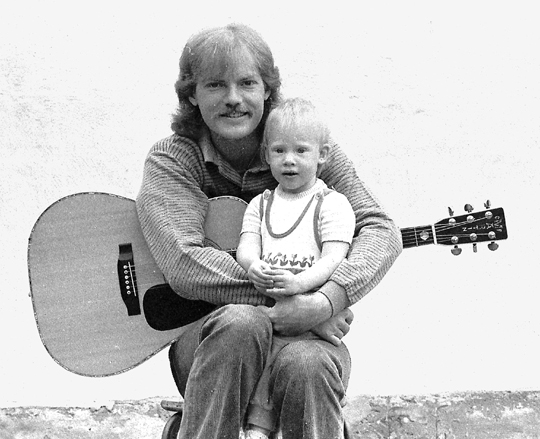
[{"x": 165, "y": 310}]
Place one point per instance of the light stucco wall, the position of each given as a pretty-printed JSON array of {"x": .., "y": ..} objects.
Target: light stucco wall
[{"x": 437, "y": 105}]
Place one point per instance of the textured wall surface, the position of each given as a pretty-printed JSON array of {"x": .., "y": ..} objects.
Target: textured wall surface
[{"x": 436, "y": 104}]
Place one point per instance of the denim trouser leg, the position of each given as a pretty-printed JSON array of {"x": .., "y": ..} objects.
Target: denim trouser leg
[
  {"x": 308, "y": 382},
  {"x": 216, "y": 366}
]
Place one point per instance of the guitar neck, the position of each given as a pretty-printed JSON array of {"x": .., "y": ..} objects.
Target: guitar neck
[{"x": 417, "y": 236}]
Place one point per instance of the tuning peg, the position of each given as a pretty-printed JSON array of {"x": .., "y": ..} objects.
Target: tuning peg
[
  {"x": 456, "y": 250},
  {"x": 493, "y": 246},
  {"x": 487, "y": 204},
  {"x": 474, "y": 247},
  {"x": 450, "y": 211},
  {"x": 468, "y": 208}
]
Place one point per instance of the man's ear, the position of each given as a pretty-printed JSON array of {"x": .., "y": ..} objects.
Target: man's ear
[{"x": 193, "y": 100}]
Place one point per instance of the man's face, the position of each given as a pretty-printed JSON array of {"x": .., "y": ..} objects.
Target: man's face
[{"x": 231, "y": 101}]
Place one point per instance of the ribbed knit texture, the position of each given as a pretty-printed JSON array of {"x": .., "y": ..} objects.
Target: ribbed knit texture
[{"x": 172, "y": 204}]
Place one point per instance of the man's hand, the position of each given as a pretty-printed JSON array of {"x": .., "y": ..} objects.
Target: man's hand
[
  {"x": 297, "y": 314},
  {"x": 335, "y": 328}
]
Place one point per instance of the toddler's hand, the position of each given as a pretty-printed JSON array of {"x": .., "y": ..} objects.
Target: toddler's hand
[
  {"x": 258, "y": 273},
  {"x": 284, "y": 284}
]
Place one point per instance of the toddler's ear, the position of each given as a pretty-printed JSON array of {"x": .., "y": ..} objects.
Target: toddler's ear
[{"x": 324, "y": 151}]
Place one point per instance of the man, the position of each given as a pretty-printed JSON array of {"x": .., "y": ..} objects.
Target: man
[{"x": 226, "y": 87}]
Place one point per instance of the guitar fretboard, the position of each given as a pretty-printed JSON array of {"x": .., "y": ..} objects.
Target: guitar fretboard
[{"x": 417, "y": 236}]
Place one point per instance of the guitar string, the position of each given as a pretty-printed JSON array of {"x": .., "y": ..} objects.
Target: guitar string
[
  {"x": 133, "y": 271},
  {"x": 409, "y": 235},
  {"x": 412, "y": 232},
  {"x": 441, "y": 238},
  {"x": 131, "y": 268}
]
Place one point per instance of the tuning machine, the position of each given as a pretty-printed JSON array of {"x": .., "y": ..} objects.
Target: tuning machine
[
  {"x": 492, "y": 245},
  {"x": 455, "y": 250},
  {"x": 470, "y": 219}
]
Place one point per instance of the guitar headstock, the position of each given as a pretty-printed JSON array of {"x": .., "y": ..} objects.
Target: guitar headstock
[{"x": 474, "y": 227}]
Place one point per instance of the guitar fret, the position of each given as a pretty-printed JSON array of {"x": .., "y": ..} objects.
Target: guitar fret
[{"x": 417, "y": 236}]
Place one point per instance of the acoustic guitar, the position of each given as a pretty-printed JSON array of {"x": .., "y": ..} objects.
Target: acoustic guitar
[{"x": 101, "y": 304}]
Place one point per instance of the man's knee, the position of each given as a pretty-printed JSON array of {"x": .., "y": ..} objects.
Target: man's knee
[
  {"x": 239, "y": 325},
  {"x": 300, "y": 359},
  {"x": 307, "y": 363}
]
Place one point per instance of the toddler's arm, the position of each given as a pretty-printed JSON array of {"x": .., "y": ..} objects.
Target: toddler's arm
[{"x": 248, "y": 255}]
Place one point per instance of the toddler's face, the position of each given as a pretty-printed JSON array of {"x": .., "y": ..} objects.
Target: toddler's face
[{"x": 294, "y": 157}]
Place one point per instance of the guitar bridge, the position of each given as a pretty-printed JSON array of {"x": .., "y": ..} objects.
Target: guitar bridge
[{"x": 127, "y": 280}]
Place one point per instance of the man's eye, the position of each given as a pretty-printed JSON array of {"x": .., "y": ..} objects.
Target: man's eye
[{"x": 213, "y": 84}]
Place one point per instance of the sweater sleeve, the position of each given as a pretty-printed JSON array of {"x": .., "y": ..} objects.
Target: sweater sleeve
[
  {"x": 376, "y": 243},
  {"x": 171, "y": 207}
]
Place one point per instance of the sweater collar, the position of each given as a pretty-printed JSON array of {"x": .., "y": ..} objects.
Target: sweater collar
[{"x": 212, "y": 155}]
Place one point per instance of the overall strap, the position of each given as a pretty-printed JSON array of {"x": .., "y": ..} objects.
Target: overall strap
[
  {"x": 269, "y": 195},
  {"x": 320, "y": 198},
  {"x": 316, "y": 232},
  {"x": 265, "y": 195},
  {"x": 293, "y": 227}
]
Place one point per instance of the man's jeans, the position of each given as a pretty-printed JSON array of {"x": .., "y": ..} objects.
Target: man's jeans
[{"x": 218, "y": 362}]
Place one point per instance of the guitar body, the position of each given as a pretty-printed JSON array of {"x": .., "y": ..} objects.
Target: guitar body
[{"x": 84, "y": 252}]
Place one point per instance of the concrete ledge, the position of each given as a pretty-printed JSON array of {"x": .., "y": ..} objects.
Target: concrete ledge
[
  {"x": 123, "y": 420},
  {"x": 494, "y": 415}
]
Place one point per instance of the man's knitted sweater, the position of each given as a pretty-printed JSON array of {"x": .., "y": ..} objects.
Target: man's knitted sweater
[{"x": 180, "y": 175}]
